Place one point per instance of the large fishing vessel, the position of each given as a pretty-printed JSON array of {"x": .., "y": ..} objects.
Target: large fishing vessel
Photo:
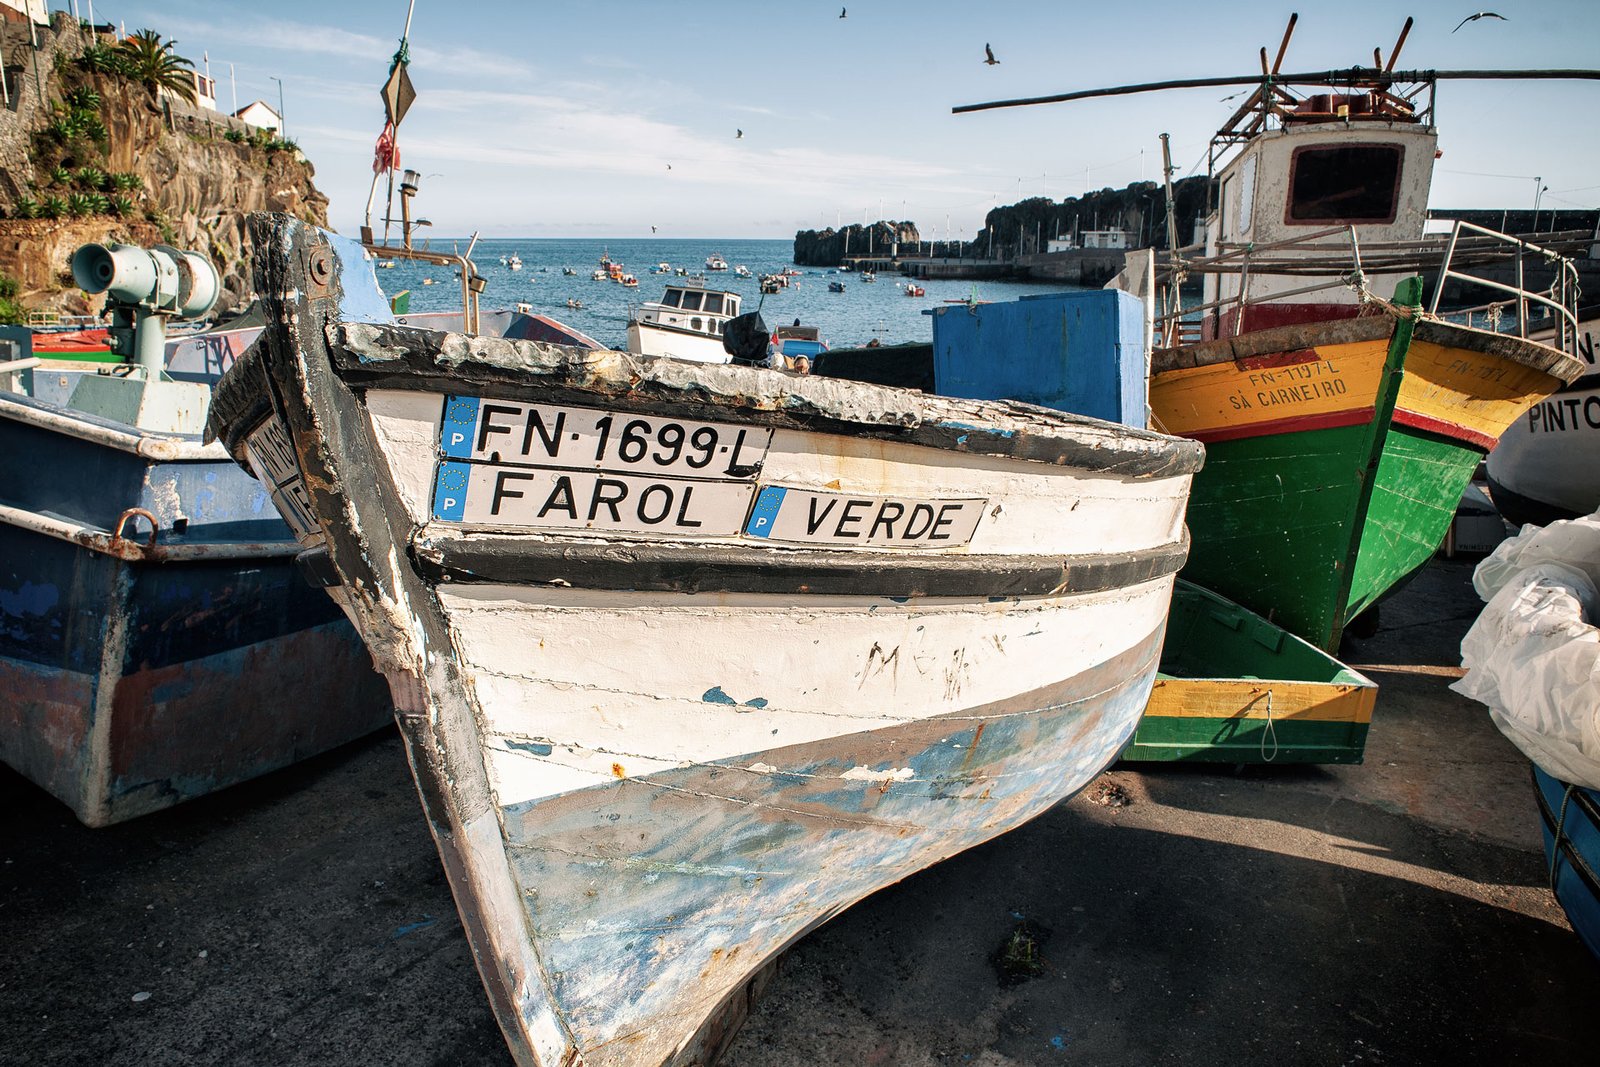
[{"x": 1346, "y": 373}]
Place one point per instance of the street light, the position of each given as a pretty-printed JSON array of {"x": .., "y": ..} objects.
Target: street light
[{"x": 283, "y": 123}]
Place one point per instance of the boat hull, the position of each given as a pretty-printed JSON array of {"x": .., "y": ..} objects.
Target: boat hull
[
  {"x": 1234, "y": 688},
  {"x": 1547, "y": 465},
  {"x": 141, "y": 670},
  {"x": 1336, "y": 454},
  {"x": 1569, "y": 818},
  {"x": 646, "y": 339},
  {"x": 652, "y": 760}
]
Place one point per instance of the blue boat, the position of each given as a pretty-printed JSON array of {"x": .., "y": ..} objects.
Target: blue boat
[
  {"x": 1570, "y": 819},
  {"x": 157, "y": 641}
]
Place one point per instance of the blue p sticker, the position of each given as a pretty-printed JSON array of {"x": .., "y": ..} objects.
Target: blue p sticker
[
  {"x": 458, "y": 426},
  {"x": 765, "y": 511},
  {"x": 450, "y": 491}
]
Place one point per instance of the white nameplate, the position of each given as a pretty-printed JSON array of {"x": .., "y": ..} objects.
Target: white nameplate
[
  {"x": 272, "y": 458},
  {"x": 837, "y": 519},
  {"x": 498, "y": 495},
  {"x": 540, "y": 435}
]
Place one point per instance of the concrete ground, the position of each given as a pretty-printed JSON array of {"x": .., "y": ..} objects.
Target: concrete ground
[{"x": 1385, "y": 914}]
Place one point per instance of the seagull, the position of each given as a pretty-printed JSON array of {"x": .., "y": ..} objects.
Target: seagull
[
  {"x": 841, "y": 12},
  {"x": 652, "y": 229},
  {"x": 989, "y": 56},
  {"x": 738, "y": 135},
  {"x": 669, "y": 166},
  {"x": 1480, "y": 15}
]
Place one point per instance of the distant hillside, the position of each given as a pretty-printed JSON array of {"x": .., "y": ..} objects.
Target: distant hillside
[
  {"x": 1140, "y": 209},
  {"x": 825, "y": 248},
  {"x": 102, "y": 153}
]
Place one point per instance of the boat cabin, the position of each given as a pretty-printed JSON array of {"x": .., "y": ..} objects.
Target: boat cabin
[
  {"x": 688, "y": 305},
  {"x": 1330, "y": 175}
]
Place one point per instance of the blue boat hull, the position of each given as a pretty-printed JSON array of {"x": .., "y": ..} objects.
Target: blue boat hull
[
  {"x": 141, "y": 670},
  {"x": 1571, "y": 826}
]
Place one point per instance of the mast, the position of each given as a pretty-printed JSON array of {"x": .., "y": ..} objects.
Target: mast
[{"x": 397, "y": 94}]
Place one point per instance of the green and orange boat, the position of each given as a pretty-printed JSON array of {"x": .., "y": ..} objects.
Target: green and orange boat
[{"x": 1346, "y": 371}]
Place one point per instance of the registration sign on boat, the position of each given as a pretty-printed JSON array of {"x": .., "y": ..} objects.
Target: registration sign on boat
[
  {"x": 272, "y": 458},
  {"x": 540, "y": 435},
  {"x": 803, "y": 516},
  {"x": 542, "y": 466}
]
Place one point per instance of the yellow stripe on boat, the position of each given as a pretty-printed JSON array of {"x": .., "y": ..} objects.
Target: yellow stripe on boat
[
  {"x": 1310, "y": 388},
  {"x": 1466, "y": 394},
  {"x": 1229, "y": 698}
]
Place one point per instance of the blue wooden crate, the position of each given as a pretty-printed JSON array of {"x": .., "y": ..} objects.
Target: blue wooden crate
[{"x": 1082, "y": 352}]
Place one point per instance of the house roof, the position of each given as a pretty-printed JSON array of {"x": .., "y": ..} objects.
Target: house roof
[{"x": 255, "y": 104}]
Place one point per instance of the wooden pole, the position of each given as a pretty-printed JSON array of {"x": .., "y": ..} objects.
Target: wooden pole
[
  {"x": 1365, "y": 77},
  {"x": 1399, "y": 44},
  {"x": 1283, "y": 47}
]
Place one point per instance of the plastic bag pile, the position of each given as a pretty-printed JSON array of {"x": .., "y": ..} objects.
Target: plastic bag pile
[{"x": 1533, "y": 656}]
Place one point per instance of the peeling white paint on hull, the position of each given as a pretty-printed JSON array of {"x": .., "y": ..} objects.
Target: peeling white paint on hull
[{"x": 690, "y": 658}]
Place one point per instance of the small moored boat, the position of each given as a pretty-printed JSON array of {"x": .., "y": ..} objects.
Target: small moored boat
[
  {"x": 715, "y": 262},
  {"x": 686, "y": 323},
  {"x": 690, "y": 658}
]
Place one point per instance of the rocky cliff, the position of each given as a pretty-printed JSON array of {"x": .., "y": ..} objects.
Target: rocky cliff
[
  {"x": 1140, "y": 209},
  {"x": 826, "y": 248},
  {"x": 92, "y": 155}
]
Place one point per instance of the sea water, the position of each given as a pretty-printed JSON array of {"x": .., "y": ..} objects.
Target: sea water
[{"x": 863, "y": 312}]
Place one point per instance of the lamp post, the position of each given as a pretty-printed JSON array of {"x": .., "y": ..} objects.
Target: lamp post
[
  {"x": 408, "y": 189},
  {"x": 283, "y": 123}
]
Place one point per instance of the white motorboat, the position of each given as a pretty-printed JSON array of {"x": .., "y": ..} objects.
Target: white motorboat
[{"x": 686, "y": 323}]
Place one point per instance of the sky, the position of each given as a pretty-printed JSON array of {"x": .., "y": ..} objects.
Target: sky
[{"x": 581, "y": 119}]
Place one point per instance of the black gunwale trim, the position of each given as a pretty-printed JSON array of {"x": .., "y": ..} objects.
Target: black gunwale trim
[
  {"x": 415, "y": 360},
  {"x": 508, "y": 559}
]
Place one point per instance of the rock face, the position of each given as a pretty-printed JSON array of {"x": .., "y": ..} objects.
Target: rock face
[
  {"x": 199, "y": 182},
  {"x": 827, "y": 248}
]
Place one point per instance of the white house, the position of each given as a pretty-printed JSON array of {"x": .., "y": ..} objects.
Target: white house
[
  {"x": 205, "y": 89},
  {"x": 1091, "y": 239},
  {"x": 261, "y": 115},
  {"x": 24, "y": 10}
]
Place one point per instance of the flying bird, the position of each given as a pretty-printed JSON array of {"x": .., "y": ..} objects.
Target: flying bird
[
  {"x": 669, "y": 166},
  {"x": 652, "y": 229},
  {"x": 1480, "y": 15},
  {"x": 841, "y": 12},
  {"x": 989, "y": 58},
  {"x": 738, "y": 135}
]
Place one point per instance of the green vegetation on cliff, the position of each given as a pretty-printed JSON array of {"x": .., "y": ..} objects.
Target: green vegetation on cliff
[{"x": 112, "y": 145}]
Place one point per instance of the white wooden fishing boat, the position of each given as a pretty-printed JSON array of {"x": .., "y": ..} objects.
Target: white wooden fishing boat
[
  {"x": 1547, "y": 464},
  {"x": 686, "y": 323},
  {"x": 690, "y": 658}
]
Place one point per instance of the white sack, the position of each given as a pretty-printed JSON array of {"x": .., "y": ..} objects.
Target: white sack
[{"x": 1533, "y": 656}]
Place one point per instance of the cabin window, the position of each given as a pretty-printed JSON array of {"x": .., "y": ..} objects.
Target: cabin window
[
  {"x": 672, "y": 297},
  {"x": 713, "y": 303},
  {"x": 696, "y": 324},
  {"x": 691, "y": 301},
  {"x": 1225, "y": 210},
  {"x": 1344, "y": 183}
]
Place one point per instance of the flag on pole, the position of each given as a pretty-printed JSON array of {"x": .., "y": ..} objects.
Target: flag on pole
[{"x": 386, "y": 154}]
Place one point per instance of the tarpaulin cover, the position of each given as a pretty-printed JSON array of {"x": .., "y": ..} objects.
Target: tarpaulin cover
[
  {"x": 1533, "y": 656},
  {"x": 745, "y": 337}
]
